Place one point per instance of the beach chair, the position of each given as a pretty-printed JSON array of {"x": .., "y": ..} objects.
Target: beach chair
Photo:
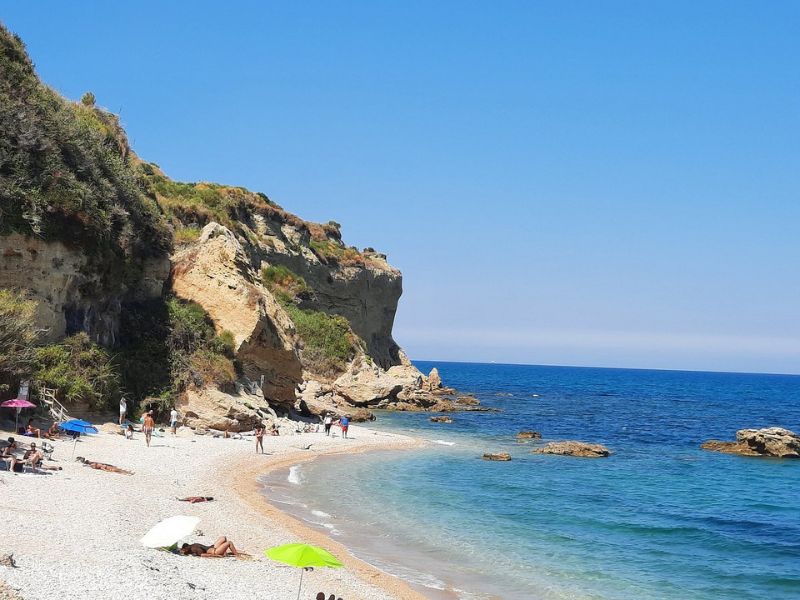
[{"x": 47, "y": 450}]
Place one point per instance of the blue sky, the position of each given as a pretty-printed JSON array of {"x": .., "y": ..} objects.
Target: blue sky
[{"x": 584, "y": 183}]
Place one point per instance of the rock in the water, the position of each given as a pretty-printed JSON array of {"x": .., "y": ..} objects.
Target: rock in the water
[
  {"x": 573, "y": 448},
  {"x": 502, "y": 456},
  {"x": 434, "y": 380},
  {"x": 529, "y": 435},
  {"x": 771, "y": 441},
  {"x": 441, "y": 419}
]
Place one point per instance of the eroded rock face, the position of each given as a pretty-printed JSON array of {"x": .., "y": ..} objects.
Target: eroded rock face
[
  {"x": 771, "y": 441},
  {"x": 217, "y": 274},
  {"x": 573, "y": 448},
  {"x": 71, "y": 294}
]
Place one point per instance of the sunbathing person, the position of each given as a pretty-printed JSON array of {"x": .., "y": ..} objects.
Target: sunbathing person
[
  {"x": 196, "y": 499},
  {"x": 220, "y": 548},
  {"x": 35, "y": 459},
  {"x": 53, "y": 433},
  {"x": 103, "y": 466},
  {"x": 8, "y": 454},
  {"x": 32, "y": 431}
]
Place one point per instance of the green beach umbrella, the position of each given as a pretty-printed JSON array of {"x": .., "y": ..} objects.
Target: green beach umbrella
[{"x": 303, "y": 555}]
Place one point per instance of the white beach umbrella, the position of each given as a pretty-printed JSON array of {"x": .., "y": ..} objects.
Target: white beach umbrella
[{"x": 169, "y": 531}]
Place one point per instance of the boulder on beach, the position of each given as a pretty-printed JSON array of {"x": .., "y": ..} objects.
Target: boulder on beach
[
  {"x": 529, "y": 435},
  {"x": 771, "y": 441},
  {"x": 441, "y": 419},
  {"x": 502, "y": 456},
  {"x": 573, "y": 448}
]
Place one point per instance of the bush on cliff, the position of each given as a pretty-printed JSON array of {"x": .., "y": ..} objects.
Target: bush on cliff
[
  {"x": 170, "y": 345},
  {"x": 17, "y": 337},
  {"x": 66, "y": 169},
  {"x": 328, "y": 342},
  {"x": 283, "y": 281},
  {"x": 82, "y": 372}
]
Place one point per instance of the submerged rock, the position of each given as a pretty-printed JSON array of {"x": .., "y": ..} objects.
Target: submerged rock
[
  {"x": 502, "y": 456},
  {"x": 529, "y": 435},
  {"x": 574, "y": 448},
  {"x": 441, "y": 419},
  {"x": 770, "y": 441}
]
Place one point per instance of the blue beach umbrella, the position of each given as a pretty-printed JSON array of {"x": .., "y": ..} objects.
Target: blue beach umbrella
[{"x": 79, "y": 427}]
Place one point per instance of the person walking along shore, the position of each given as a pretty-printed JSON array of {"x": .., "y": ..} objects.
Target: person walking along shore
[{"x": 148, "y": 426}]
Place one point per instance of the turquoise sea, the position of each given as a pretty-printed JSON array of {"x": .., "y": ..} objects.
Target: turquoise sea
[{"x": 659, "y": 519}]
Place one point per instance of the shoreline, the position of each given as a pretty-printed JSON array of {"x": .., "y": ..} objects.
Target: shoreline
[
  {"x": 247, "y": 485},
  {"x": 75, "y": 532}
]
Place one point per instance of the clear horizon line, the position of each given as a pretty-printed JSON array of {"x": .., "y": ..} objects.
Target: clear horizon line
[{"x": 516, "y": 364}]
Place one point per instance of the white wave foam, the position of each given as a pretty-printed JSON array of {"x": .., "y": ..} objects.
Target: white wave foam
[
  {"x": 295, "y": 476},
  {"x": 320, "y": 513},
  {"x": 443, "y": 443}
]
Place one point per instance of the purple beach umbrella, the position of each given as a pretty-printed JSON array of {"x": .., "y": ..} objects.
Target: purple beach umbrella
[{"x": 19, "y": 404}]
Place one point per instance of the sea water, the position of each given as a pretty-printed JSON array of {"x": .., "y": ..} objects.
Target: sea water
[{"x": 660, "y": 518}]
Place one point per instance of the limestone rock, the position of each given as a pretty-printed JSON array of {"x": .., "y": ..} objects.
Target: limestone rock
[
  {"x": 441, "y": 419},
  {"x": 434, "y": 381},
  {"x": 217, "y": 274},
  {"x": 71, "y": 293},
  {"x": 502, "y": 456},
  {"x": 771, "y": 441},
  {"x": 573, "y": 448},
  {"x": 365, "y": 383},
  {"x": 529, "y": 435},
  {"x": 210, "y": 408}
]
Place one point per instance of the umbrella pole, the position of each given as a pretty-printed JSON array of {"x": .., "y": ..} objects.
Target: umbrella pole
[
  {"x": 299, "y": 587},
  {"x": 16, "y": 421},
  {"x": 75, "y": 443}
]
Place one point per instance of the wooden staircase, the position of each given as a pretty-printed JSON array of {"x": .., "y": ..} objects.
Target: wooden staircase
[{"x": 47, "y": 398}]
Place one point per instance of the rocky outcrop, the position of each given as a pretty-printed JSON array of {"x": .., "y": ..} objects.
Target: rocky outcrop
[
  {"x": 573, "y": 448},
  {"x": 216, "y": 273},
  {"x": 502, "y": 457},
  {"x": 529, "y": 435},
  {"x": 72, "y": 293},
  {"x": 772, "y": 441},
  {"x": 213, "y": 409}
]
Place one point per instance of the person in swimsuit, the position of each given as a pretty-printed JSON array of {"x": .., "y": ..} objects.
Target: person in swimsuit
[
  {"x": 148, "y": 426},
  {"x": 196, "y": 499},
  {"x": 103, "y": 466},
  {"x": 8, "y": 454},
  {"x": 260, "y": 438},
  {"x": 220, "y": 548},
  {"x": 32, "y": 431}
]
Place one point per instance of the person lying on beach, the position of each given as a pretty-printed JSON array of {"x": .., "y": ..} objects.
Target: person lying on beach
[
  {"x": 103, "y": 466},
  {"x": 196, "y": 499},
  {"x": 129, "y": 432},
  {"x": 220, "y": 548}
]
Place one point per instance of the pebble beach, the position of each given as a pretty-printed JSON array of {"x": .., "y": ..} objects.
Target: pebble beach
[{"x": 75, "y": 532}]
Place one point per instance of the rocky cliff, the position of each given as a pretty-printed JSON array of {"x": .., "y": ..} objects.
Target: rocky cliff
[{"x": 101, "y": 239}]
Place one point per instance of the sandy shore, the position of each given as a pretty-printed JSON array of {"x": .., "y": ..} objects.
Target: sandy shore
[{"x": 75, "y": 533}]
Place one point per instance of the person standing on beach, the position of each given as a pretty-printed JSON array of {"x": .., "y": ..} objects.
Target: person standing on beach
[
  {"x": 344, "y": 423},
  {"x": 148, "y": 426},
  {"x": 260, "y": 438},
  {"x": 173, "y": 421},
  {"x": 328, "y": 422},
  {"x": 123, "y": 410}
]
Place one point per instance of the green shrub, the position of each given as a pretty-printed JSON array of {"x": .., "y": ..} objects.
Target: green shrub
[
  {"x": 66, "y": 169},
  {"x": 82, "y": 372},
  {"x": 171, "y": 345},
  {"x": 17, "y": 337},
  {"x": 187, "y": 235},
  {"x": 328, "y": 343},
  {"x": 281, "y": 280}
]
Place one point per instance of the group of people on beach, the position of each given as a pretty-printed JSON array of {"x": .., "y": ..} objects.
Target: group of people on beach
[{"x": 343, "y": 422}]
